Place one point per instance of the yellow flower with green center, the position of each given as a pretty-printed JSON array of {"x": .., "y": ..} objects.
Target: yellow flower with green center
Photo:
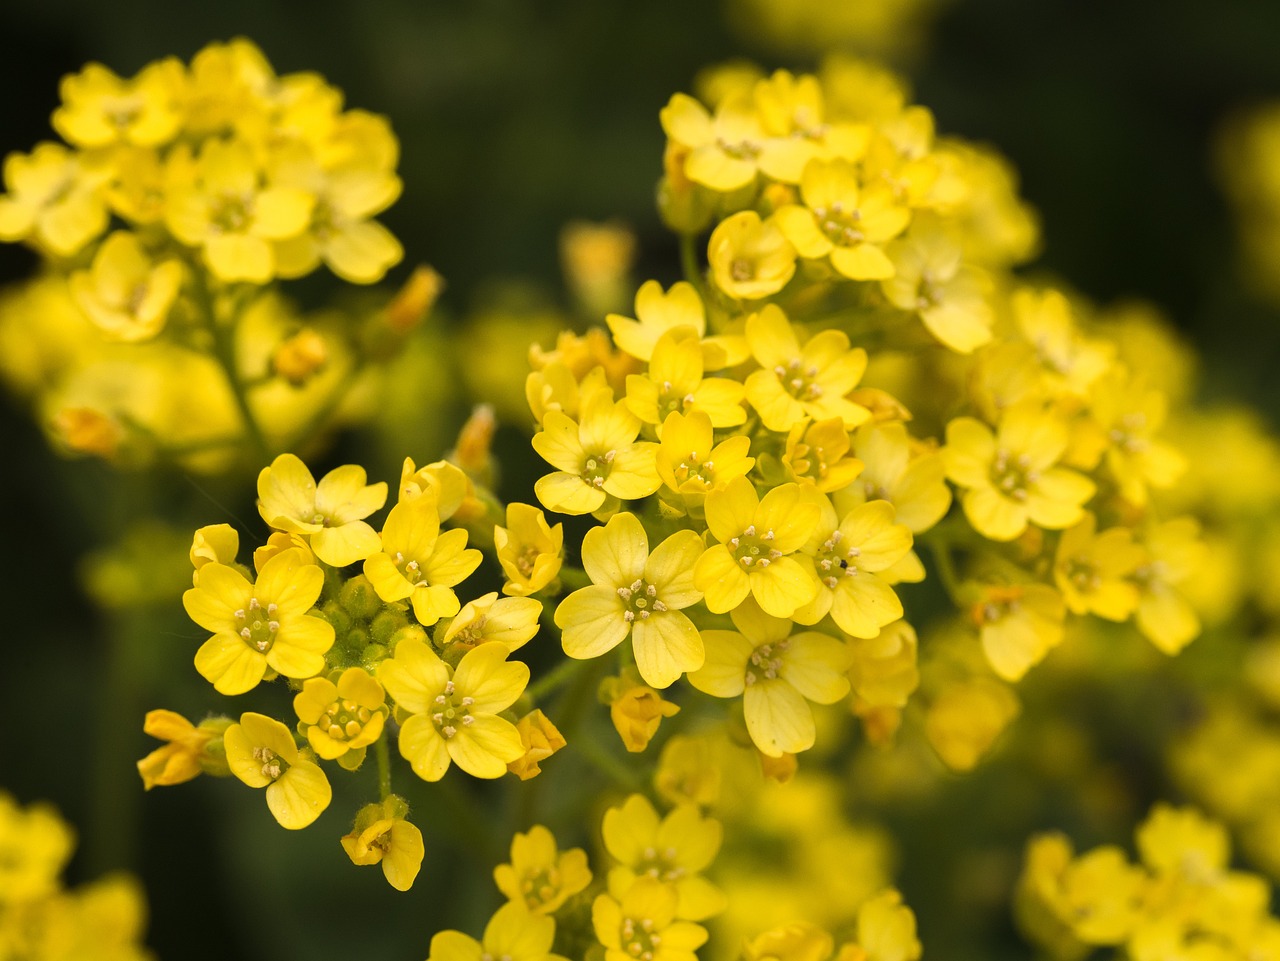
[
  {"x": 844, "y": 220},
  {"x": 818, "y": 453},
  {"x": 596, "y": 459},
  {"x": 1130, "y": 415},
  {"x": 900, "y": 470},
  {"x": 635, "y": 593},
  {"x": 1175, "y": 552},
  {"x": 931, "y": 280},
  {"x": 383, "y": 835},
  {"x": 233, "y": 213},
  {"x": 796, "y": 382},
  {"x": 1010, "y": 476},
  {"x": 100, "y": 109},
  {"x": 419, "y": 563},
  {"x": 529, "y": 549},
  {"x": 722, "y": 150},
  {"x": 342, "y": 719},
  {"x": 642, "y": 926},
  {"x": 331, "y": 514},
  {"x": 511, "y": 621},
  {"x": 776, "y": 673},
  {"x": 674, "y": 383},
  {"x": 454, "y": 713},
  {"x": 691, "y": 464},
  {"x": 673, "y": 850},
  {"x": 750, "y": 258},
  {"x": 1094, "y": 570},
  {"x": 259, "y": 626},
  {"x": 849, "y": 559},
  {"x": 514, "y": 933},
  {"x": 658, "y": 313},
  {"x": 540, "y": 738},
  {"x": 539, "y": 875},
  {"x": 55, "y": 198},
  {"x": 261, "y": 752},
  {"x": 886, "y": 930},
  {"x": 125, "y": 293},
  {"x": 1019, "y": 624},
  {"x": 757, "y": 538}
]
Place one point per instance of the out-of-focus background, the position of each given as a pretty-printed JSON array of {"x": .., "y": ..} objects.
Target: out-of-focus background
[{"x": 514, "y": 119}]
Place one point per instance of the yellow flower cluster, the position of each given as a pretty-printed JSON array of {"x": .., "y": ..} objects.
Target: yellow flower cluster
[
  {"x": 177, "y": 195},
  {"x": 1180, "y": 901},
  {"x": 39, "y": 918}
]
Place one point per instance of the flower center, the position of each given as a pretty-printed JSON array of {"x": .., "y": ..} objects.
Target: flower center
[
  {"x": 692, "y": 469},
  {"x": 754, "y": 550},
  {"x": 258, "y": 625},
  {"x": 836, "y": 559},
  {"x": 1011, "y": 475},
  {"x": 670, "y": 399},
  {"x": 595, "y": 469},
  {"x": 765, "y": 662},
  {"x": 541, "y": 887},
  {"x": 639, "y": 939},
  {"x": 272, "y": 764},
  {"x": 526, "y": 559},
  {"x": 1083, "y": 575},
  {"x": 411, "y": 569},
  {"x": 797, "y": 379},
  {"x": 230, "y": 213},
  {"x": 640, "y": 600},
  {"x": 452, "y": 712},
  {"x": 1126, "y": 433},
  {"x": 842, "y": 227},
  {"x": 343, "y": 720},
  {"x": 660, "y": 864}
]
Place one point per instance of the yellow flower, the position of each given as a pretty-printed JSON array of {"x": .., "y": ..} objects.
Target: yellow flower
[
  {"x": 882, "y": 669},
  {"x": 722, "y": 151},
  {"x": 100, "y": 109},
  {"x": 690, "y": 466},
  {"x": 383, "y": 835},
  {"x": 635, "y": 709},
  {"x": 672, "y": 850},
  {"x": 332, "y": 512},
  {"x": 844, "y": 220},
  {"x": 540, "y": 876},
  {"x": 216, "y": 543},
  {"x": 1097, "y": 896},
  {"x": 447, "y": 484},
  {"x": 912, "y": 480},
  {"x": 55, "y": 198},
  {"x": 125, "y": 293},
  {"x": 1070, "y": 361},
  {"x": 1174, "y": 553},
  {"x": 674, "y": 383},
  {"x": 541, "y": 739},
  {"x": 1019, "y": 624},
  {"x": 511, "y": 621},
  {"x": 797, "y": 382},
  {"x": 454, "y": 714},
  {"x": 300, "y": 357},
  {"x": 513, "y": 932},
  {"x": 529, "y": 550},
  {"x": 1010, "y": 476},
  {"x": 798, "y": 941},
  {"x": 35, "y": 845},
  {"x": 1093, "y": 570},
  {"x": 887, "y": 929},
  {"x": 1182, "y": 841},
  {"x": 950, "y": 296},
  {"x": 419, "y": 563},
  {"x": 260, "y": 625},
  {"x": 229, "y": 210},
  {"x": 750, "y": 258},
  {"x": 818, "y": 453},
  {"x": 757, "y": 537},
  {"x": 658, "y": 313},
  {"x": 638, "y": 594},
  {"x": 342, "y": 719},
  {"x": 777, "y": 673},
  {"x": 183, "y": 757},
  {"x": 596, "y": 459},
  {"x": 261, "y": 753},
  {"x": 965, "y": 719},
  {"x": 1130, "y": 415},
  {"x": 848, "y": 560},
  {"x": 643, "y": 926}
]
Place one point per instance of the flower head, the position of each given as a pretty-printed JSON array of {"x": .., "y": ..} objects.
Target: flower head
[
  {"x": 261, "y": 753},
  {"x": 330, "y": 513}
]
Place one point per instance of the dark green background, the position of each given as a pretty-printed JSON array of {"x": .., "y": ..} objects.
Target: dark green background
[{"x": 515, "y": 118}]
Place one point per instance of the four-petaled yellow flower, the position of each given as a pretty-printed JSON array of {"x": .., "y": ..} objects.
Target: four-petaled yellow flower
[
  {"x": 750, "y": 258},
  {"x": 330, "y": 513},
  {"x": 643, "y": 926},
  {"x": 259, "y": 626},
  {"x": 342, "y": 719},
  {"x": 125, "y": 293},
  {"x": 383, "y": 835},
  {"x": 674, "y": 383},
  {"x": 529, "y": 549},
  {"x": 539, "y": 875},
  {"x": 454, "y": 714},
  {"x": 261, "y": 752},
  {"x": 639, "y": 594}
]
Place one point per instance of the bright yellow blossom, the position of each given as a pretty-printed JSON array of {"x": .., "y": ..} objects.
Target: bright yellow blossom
[
  {"x": 529, "y": 550},
  {"x": 722, "y": 150},
  {"x": 383, "y": 835},
  {"x": 776, "y": 673},
  {"x": 691, "y": 464},
  {"x": 342, "y": 719},
  {"x": 757, "y": 537},
  {"x": 215, "y": 543},
  {"x": 635, "y": 709},
  {"x": 887, "y": 929},
  {"x": 513, "y": 933},
  {"x": 1174, "y": 553},
  {"x": 511, "y": 621},
  {"x": 54, "y": 197},
  {"x": 1011, "y": 477},
  {"x": 643, "y": 926},
  {"x": 848, "y": 555},
  {"x": 183, "y": 757},
  {"x": 931, "y": 280},
  {"x": 818, "y": 453},
  {"x": 965, "y": 718},
  {"x": 260, "y": 626},
  {"x": 331, "y": 513},
  {"x": 912, "y": 480},
  {"x": 261, "y": 752},
  {"x": 100, "y": 109},
  {"x": 674, "y": 383},
  {"x": 596, "y": 459},
  {"x": 638, "y": 594},
  {"x": 125, "y": 293},
  {"x": 1019, "y": 624},
  {"x": 750, "y": 258},
  {"x": 882, "y": 669},
  {"x": 658, "y": 313},
  {"x": 454, "y": 713},
  {"x": 446, "y": 483},
  {"x": 797, "y": 382},
  {"x": 1092, "y": 570},
  {"x": 673, "y": 850},
  {"x": 1130, "y": 415},
  {"x": 541, "y": 739},
  {"x": 797, "y": 941},
  {"x": 35, "y": 845},
  {"x": 419, "y": 563},
  {"x": 540, "y": 876}
]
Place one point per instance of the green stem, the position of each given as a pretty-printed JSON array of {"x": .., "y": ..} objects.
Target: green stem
[
  {"x": 689, "y": 261},
  {"x": 603, "y": 761},
  {"x": 554, "y": 679},
  {"x": 941, "y": 551},
  {"x": 383, "y": 753}
]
